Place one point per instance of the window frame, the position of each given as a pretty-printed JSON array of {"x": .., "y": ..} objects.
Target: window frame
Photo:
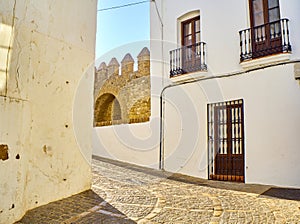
[
  {"x": 266, "y": 37},
  {"x": 265, "y": 11},
  {"x": 185, "y": 17},
  {"x": 177, "y": 61},
  {"x": 193, "y": 30}
]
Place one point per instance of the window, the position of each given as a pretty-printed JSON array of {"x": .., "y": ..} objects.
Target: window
[
  {"x": 191, "y": 45},
  {"x": 268, "y": 33},
  {"x": 190, "y": 31},
  {"x": 264, "y": 11},
  {"x": 191, "y": 56},
  {"x": 265, "y": 22}
]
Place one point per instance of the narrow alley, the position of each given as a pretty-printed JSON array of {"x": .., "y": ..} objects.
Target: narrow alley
[{"x": 125, "y": 193}]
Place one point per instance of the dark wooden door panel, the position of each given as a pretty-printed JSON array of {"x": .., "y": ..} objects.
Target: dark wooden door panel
[{"x": 228, "y": 140}]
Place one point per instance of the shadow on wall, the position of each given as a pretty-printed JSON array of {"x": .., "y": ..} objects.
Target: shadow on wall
[{"x": 122, "y": 98}]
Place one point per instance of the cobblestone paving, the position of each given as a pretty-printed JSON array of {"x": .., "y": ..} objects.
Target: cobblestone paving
[
  {"x": 169, "y": 201},
  {"x": 122, "y": 193}
]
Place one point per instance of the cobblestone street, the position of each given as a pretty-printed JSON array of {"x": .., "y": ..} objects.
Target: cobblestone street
[{"x": 124, "y": 193}]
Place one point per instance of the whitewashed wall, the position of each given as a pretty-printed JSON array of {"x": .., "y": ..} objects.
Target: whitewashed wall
[
  {"x": 49, "y": 52},
  {"x": 271, "y": 135},
  {"x": 271, "y": 96}
]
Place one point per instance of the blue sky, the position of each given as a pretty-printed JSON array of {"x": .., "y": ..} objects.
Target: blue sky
[{"x": 121, "y": 30}]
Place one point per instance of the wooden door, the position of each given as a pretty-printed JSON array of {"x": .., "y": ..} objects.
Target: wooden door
[{"x": 228, "y": 142}]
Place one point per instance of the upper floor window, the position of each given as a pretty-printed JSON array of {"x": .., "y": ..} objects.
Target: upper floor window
[
  {"x": 190, "y": 31},
  {"x": 191, "y": 56},
  {"x": 268, "y": 33},
  {"x": 264, "y": 11}
]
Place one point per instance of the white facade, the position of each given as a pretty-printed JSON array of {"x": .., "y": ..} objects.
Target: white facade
[
  {"x": 47, "y": 56},
  {"x": 267, "y": 86}
]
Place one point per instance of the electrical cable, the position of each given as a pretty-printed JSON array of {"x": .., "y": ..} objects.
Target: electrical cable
[
  {"x": 158, "y": 14},
  {"x": 122, "y": 6}
]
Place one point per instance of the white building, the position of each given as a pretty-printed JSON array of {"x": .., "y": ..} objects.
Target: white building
[
  {"x": 224, "y": 93},
  {"x": 47, "y": 53}
]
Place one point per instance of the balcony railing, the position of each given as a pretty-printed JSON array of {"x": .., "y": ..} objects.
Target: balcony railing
[
  {"x": 266, "y": 39},
  {"x": 188, "y": 59}
]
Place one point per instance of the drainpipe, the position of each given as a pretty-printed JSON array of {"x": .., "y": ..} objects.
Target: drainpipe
[{"x": 161, "y": 142}]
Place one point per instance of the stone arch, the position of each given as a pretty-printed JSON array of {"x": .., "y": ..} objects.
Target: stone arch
[{"x": 107, "y": 110}]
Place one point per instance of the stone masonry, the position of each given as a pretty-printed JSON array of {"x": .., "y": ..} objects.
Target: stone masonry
[{"x": 123, "y": 98}]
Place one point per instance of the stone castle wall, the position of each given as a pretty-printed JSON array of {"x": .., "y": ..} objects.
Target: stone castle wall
[{"x": 122, "y": 98}]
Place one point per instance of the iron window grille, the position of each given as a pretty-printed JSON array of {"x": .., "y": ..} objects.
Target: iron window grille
[{"x": 226, "y": 141}]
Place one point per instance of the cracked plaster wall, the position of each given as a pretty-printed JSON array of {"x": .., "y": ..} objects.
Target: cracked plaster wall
[{"x": 49, "y": 66}]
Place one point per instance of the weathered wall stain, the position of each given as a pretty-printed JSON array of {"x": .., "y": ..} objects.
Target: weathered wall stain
[
  {"x": 41, "y": 87},
  {"x": 3, "y": 152},
  {"x": 47, "y": 150}
]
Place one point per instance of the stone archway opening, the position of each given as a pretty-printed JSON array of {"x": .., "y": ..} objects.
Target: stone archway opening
[{"x": 108, "y": 110}]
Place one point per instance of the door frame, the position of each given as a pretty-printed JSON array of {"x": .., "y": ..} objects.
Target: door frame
[{"x": 230, "y": 165}]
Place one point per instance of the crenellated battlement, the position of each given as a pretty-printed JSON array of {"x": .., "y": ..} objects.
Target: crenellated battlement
[
  {"x": 126, "y": 69},
  {"x": 122, "y": 95}
]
